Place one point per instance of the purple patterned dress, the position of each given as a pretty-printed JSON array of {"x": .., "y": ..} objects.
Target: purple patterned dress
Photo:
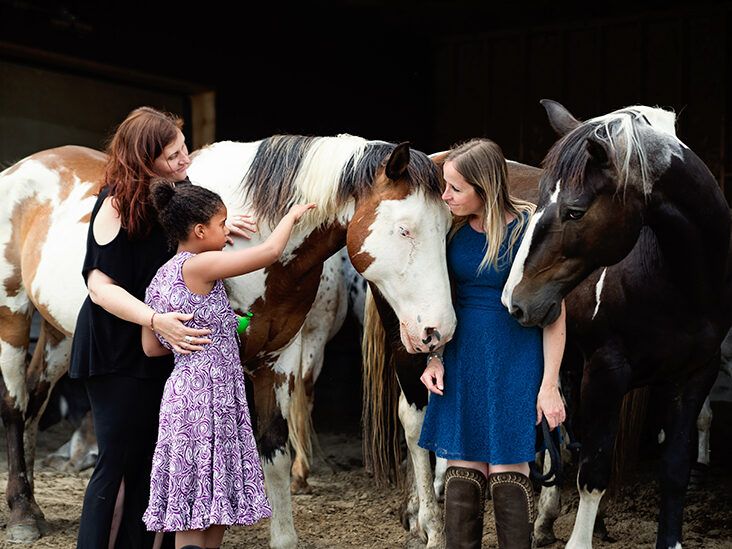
[{"x": 206, "y": 468}]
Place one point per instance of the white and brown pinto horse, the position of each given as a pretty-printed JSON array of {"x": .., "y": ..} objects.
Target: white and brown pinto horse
[
  {"x": 633, "y": 232},
  {"x": 382, "y": 200},
  {"x": 393, "y": 393}
]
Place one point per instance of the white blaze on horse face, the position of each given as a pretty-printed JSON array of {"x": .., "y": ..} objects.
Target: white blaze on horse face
[
  {"x": 517, "y": 269},
  {"x": 407, "y": 244},
  {"x": 598, "y": 292},
  {"x": 555, "y": 195}
]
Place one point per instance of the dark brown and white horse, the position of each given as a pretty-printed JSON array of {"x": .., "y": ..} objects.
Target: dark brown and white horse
[
  {"x": 393, "y": 393},
  {"x": 633, "y": 232},
  {"x": 382, "y": 200}
]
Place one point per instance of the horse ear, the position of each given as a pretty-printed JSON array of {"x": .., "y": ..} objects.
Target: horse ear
[
  {"x": 598, "y": 152},
  {"x": 559, "y": 117},
  {"x": 397, "y": 164}
]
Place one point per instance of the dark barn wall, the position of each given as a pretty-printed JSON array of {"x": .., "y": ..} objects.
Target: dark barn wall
[
  {"x": 490, "y": 84},
  {"x": 42, "y": 108}
]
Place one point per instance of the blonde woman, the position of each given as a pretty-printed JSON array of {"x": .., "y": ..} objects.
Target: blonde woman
[{"x": 495, "y": 379}]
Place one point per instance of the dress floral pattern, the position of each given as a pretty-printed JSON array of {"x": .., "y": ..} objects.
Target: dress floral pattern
[{"x": 206, "y": 467}]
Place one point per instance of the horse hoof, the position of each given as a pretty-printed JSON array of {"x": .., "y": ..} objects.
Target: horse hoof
[
  {"x": 545, "y": 538},
  {"x": 300, "y": 487},
  {"x": 698, "y": 478},
  {"x": 405, "y": 522},
  {"x": 26, "y": 532}
]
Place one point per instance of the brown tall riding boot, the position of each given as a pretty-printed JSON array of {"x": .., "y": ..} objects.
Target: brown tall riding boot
[
  {"x": 464, "y": 503},
  {"x": 514, "y": 509}
]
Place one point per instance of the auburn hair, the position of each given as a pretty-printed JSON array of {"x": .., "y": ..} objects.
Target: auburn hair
[{"x": 132, "y": 150}]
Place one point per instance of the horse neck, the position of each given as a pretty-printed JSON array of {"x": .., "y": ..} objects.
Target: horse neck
[
  {"x": 316, "y": 247},
  {"x": 690, "y": 219}
]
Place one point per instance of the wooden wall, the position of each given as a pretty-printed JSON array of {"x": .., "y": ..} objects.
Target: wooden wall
[{"x": 490, "y": 85}]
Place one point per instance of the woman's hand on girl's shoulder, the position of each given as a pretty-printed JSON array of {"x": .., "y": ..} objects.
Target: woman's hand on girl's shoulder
[{"x": 243, "y": 225}]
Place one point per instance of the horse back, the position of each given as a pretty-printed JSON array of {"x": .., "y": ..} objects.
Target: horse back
[
  {"x": 46, "y": 206},
  {"x": 523, "y": 181}
]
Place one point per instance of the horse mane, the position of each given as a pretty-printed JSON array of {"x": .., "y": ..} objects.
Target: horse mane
[
  {"x": 620, "y": 131},
  {"x": 330, "y": 171}
]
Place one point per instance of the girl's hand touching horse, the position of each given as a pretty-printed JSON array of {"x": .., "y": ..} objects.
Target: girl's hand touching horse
[
  {"x": 298, "y": 210},
  {"x": 243, "y": 225}
]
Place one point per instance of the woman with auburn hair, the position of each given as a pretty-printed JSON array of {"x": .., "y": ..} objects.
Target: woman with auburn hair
[
  {"x": 496, "y": 378},
  {"x": 125, "y": 248}
]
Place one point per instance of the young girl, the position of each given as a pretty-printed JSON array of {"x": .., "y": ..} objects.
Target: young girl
[{"x": 206, "y": 472}]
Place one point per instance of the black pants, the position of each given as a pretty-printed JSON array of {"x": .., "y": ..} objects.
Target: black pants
[{"x": 125, "y": 411}]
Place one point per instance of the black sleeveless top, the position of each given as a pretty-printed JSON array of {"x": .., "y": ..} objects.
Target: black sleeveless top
[{"x": 104, "y": 343}]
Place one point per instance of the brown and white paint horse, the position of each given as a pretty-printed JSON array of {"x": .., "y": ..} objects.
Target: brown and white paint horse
[
  {"x": 380, "y": 199},
  {"x": 393, "y": 392}
]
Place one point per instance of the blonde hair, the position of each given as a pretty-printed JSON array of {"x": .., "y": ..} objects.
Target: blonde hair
[{"x": 482, "y": 165}]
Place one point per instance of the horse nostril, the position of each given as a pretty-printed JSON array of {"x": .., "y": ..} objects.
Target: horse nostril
[
  {"x": 517, "y": 312},
  {"x": 431, "y": 332}
]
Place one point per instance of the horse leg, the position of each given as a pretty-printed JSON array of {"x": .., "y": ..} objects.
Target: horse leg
[
  {"x": 300, "y": 423},
  {"x": 272, "y": 386},
  {"x": 301, "y": 408},
  {"x": 703, "y": 426},
  {"x": 409, "y": 512},
  {"x": 548, "y": 509},
  {"x": 22, "y": 525},
  {"x": 83, "y": 448},
  {"x": 604, "y": 383},
  {"x": 678, "y": 454},
  {"x": 429, "y": 522},
  {"x": 439, "y": 484},
  {"x": 49, "y": 362}
]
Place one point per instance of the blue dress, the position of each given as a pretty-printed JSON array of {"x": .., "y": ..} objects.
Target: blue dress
[{"x": 493, "y": 366}]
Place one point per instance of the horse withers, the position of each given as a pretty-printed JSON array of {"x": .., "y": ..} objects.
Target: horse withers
[
  {"x": 633, "y": 232},
  {"x": 381, "y": 199}
]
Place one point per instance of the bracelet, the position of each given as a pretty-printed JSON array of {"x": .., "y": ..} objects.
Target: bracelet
[
  {"x": 432, "y": 355},
  {"x": 152, "y": 326}
]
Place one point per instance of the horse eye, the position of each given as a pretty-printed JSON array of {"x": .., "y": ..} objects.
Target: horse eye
[
  {"x": 404, "y": 232},
  {"x": 574, "y": 214}
]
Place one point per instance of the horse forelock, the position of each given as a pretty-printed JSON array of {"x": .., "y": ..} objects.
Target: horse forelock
[
  {"x": 332, "y": 172},
  {"x": 627, "y": 138}
]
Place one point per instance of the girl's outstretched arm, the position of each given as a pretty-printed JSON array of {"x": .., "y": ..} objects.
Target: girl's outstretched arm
[{"x": 209, "y": 266}]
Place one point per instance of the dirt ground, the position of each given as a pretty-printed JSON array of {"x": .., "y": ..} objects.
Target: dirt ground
[{"x": 346, "y": 510}]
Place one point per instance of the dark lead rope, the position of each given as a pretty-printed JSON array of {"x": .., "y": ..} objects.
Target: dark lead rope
[{"x": 552, "y": 444}]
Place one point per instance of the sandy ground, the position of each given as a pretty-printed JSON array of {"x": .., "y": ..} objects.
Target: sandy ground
[{"x": 346, "y": 510}]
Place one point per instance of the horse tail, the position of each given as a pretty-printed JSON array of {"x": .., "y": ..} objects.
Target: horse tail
[
  {"x": 379, "y": 411},
  {"x": 300, "y": 421},
  {"x": 631, "y": 422}
]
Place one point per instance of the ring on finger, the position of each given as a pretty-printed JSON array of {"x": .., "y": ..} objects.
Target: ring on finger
[{"x": 188, "y": 339}]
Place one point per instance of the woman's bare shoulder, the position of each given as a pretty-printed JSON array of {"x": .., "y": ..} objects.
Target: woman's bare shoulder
[{"x": 106, "y": 223}]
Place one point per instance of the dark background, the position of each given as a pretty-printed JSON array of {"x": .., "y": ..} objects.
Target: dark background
[{"x": 432, "y": 73}]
